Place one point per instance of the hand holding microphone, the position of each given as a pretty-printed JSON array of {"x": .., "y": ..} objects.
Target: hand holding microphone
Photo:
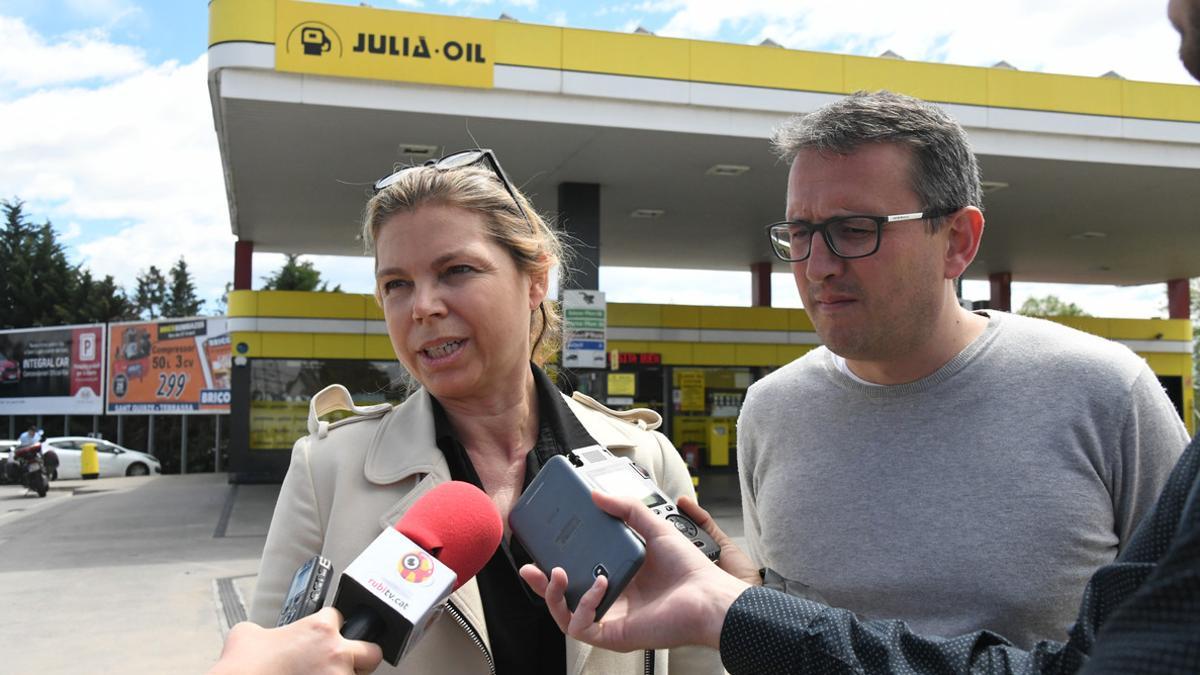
[
  {"x": 395, "y": 588},
  {"x": 310, "y": 646}
]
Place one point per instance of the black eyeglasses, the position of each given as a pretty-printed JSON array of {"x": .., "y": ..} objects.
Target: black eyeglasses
[
  {"x": 848, "y": 237},
  {"x": 461, "y": 160}
]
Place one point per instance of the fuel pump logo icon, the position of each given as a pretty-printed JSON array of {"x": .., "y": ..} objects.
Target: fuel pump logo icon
[{"x": 314, "y": 40}]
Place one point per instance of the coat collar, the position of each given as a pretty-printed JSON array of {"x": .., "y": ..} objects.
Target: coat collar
[{"x": 405, "y": 444}]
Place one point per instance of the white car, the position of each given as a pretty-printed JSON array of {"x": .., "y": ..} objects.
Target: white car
[{"x": 114, "y": 460}]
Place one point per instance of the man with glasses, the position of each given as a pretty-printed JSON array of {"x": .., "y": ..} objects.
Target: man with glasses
[{"x": 958, "y": 470}]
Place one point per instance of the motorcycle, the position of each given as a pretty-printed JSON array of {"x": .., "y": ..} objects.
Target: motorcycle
[{"x": 29, "y": 467}]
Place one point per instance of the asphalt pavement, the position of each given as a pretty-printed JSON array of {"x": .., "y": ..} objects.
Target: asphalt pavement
[{"x": 146, "y": 575}]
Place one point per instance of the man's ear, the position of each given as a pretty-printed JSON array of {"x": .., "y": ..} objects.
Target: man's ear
[{"x": 964, "y": 232}]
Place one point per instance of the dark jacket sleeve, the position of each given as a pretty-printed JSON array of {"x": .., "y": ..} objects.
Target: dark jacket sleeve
[
  {"x": 767, "y": 631},
  {"x": 1157, "y": 629}
]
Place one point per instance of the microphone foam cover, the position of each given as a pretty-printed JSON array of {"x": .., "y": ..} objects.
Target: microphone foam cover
[{"x": 458, "y": 524}]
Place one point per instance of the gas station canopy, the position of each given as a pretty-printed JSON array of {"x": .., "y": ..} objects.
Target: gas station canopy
[{"x": 1090, "y": 180}]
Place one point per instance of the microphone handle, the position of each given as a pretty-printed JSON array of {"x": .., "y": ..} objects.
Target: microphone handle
[{"x": 363, "y": 624}]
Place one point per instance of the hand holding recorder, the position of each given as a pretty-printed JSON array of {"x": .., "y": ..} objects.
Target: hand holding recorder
[{"x": 677, "y": 598}]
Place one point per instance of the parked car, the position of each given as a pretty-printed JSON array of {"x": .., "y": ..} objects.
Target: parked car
[{"x": 114, "y": 459}]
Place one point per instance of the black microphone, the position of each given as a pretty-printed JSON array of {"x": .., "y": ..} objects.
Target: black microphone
[{"x": 396, "y": 587}]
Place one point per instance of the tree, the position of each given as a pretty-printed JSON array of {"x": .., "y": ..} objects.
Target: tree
[
  {"x": 15, "y": 239},
  {"x": 298, "y": 276},
  {"x": 181, "y": 297},
  {"x": 38, "y": 282},
  {"x": 40, "y": 287},
  {"x": 222, "y": 304},
  {"x": 100, "y": 301},
  {"x": 1050, "y": 305},
  {"x": 150, "y": 294}
]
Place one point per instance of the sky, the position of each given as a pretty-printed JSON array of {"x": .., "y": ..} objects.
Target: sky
[{"x": 106, "y": 128}]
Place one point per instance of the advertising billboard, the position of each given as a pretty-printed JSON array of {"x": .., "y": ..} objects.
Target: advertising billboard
[
  {"x": 178, "y": 366},
  {"x": 52, "y": 371}
]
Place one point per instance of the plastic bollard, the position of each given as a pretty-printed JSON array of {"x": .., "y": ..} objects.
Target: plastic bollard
[{"x": 89, "y": 462}]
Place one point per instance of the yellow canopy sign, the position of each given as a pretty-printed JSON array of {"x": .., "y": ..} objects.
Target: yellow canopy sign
[{"x": 383, "y": 44}]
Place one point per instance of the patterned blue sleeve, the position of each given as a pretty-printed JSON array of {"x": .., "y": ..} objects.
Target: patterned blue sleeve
[{"x": 767, "y": 631}]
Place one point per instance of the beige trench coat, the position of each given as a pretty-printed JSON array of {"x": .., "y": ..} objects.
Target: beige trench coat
[{"x": 351, "y": 479}]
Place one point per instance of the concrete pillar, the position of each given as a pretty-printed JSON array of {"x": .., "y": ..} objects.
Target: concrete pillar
[
  {"x": 243, "y": 256},
  {"x": 1001, "y": 291},
  {"x": 1179, "y": 299},
  {"x": 216, "y": 444},
  {"x": 760, "y": 284},
  {"x": 183, "y": 444},
  {"x": 579, "y": 214}
]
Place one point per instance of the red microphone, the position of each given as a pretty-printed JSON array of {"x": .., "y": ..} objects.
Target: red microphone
[
  {"x": 397, "y": 586},
  {"x": 458, "y": 524}
]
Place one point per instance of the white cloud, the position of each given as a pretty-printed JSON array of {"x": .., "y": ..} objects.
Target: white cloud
[
  {"x": 134, "y": 163},
  {"x": 108, "y": 11},
  {"x": 410, "y": 3},
  {"x": 70, "y": 232},
  {"x": 675, "y": 287},
  {"x": 28, "y": 60},
  {"x": 1076, "y": 37},
  {"x": 1129, "y": 302},
  {"x": 558, "y": 18}
]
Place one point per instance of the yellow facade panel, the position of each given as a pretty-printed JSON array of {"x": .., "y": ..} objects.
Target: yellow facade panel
[
  {"x": 287, "y": 345},
  {"x": 714, "y": 353},
  {"x": 1087, "y": 324},
  {"x": 378, "y": 348},
  {"x": 680, "y": 316},
  {"x": 301, "y": 304},
  {"x": 241, "y": 21},
  {"x": 631, "y": 314},
  {"x": 371, "y": 309},
  {"x": 253, "y": 342},
  {"x": 1150, "y": 329},
  {"x": 798, "y": 320},
  {"x": 522, "y": 44},
  {"x": 593, "y": 51},
  {"x": 338, "y": 346},
  {"x": 1152, "y": 100},
  {"x": 788, "y": 353},
  {"x": 767, "y": 318},
  {"x": 1189, "y": 405},
  {"x": 242, "y": 303},
  {"x": 930, "y": 81},
  {"x": 1179, "y": 365},
  {"x": 756, "y": 355},
  {"x": 673, "y": 353},
  {"x": 629, "y": 346},
  {"x": 724, "y": 318},
  {"x": 1058, "y": 93},
  {"x": 751, "y": 66}
]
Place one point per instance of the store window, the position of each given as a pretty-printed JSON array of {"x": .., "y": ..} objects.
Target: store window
[{"x": 281, "y": 388}]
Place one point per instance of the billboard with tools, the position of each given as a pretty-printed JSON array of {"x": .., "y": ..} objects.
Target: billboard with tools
[{"x": 178, "y": 366}]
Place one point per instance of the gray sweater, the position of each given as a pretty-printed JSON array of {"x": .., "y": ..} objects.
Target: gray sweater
[{"x": 980, "y": 497}]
